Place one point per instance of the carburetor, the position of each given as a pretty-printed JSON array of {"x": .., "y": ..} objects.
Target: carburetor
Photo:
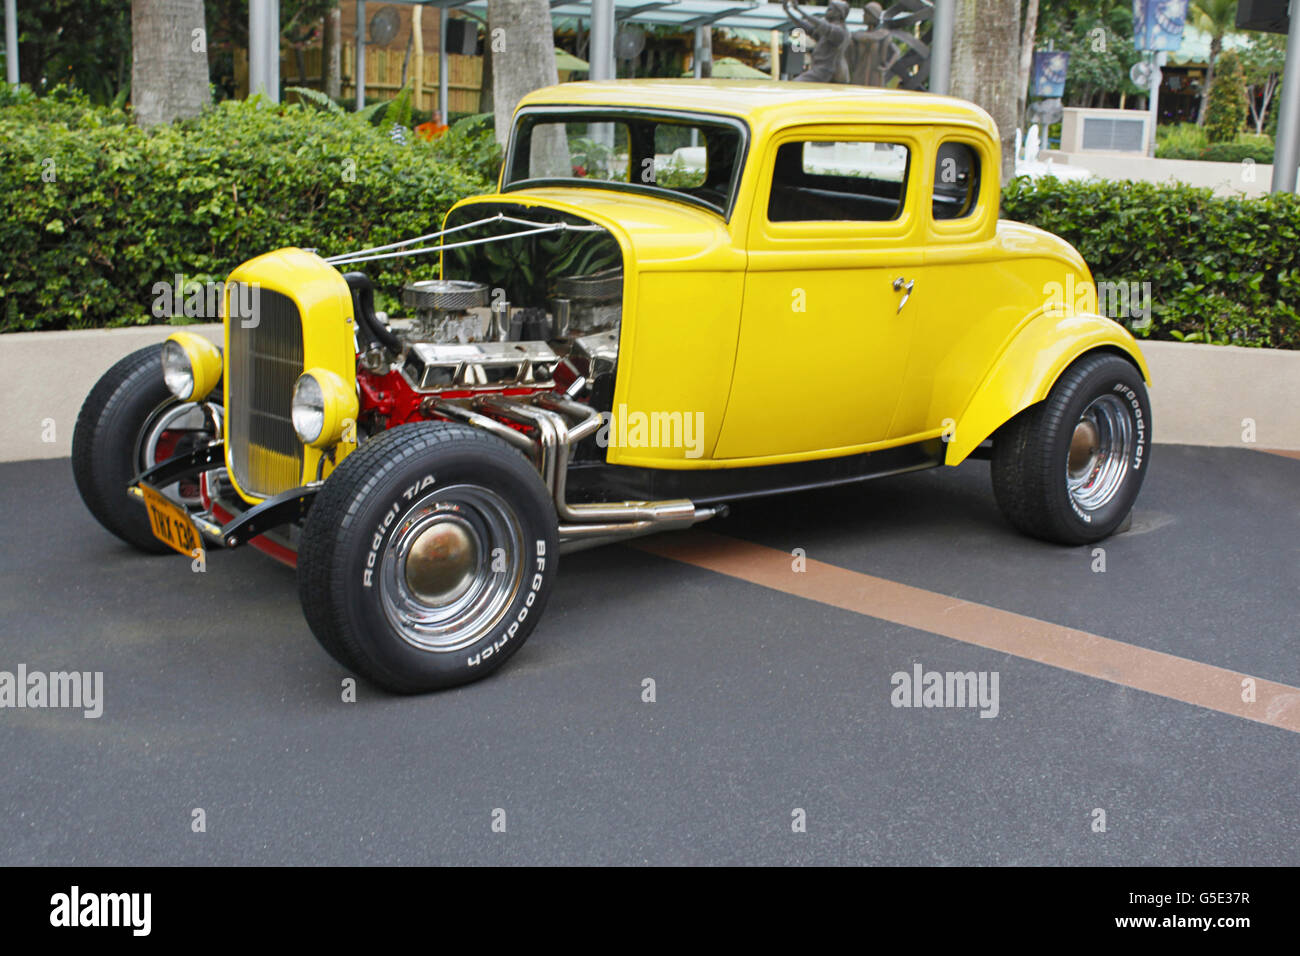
[{"x": 443, "y": 310}]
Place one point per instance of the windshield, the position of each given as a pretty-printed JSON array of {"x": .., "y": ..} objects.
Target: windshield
[{"x": 688, "y": 156}]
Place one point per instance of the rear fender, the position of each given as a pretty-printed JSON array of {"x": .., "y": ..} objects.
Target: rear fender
[{"x": 1029, "y": 366}]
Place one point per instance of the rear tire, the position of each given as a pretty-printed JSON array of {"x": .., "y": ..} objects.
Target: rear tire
[
  {"x": 428, "y": 556},
  {"x": 1068, "y": 469}
]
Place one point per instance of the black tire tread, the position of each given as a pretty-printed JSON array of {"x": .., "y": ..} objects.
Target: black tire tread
[
  {"x": 320, "y": 574},
  {"x": 1025, "y": 467},
  {"x": 92, "y": 446}
]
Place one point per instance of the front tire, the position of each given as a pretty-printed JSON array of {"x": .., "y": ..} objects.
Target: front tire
[
  {"x": 130, "y": 421},
  {"x": 428, "y": 557},
  {"x": 1068, "y": 469}
]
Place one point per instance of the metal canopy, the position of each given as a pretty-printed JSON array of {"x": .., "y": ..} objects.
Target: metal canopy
[
  {"x": 687, "y": 14},
  {"x": 698, "y": 16}
]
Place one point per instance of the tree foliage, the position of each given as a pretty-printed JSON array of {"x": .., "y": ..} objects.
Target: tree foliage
[
  {"x": 94, "y": 210},
  {"x": 1225, "y": 112},
  {"x": 1099, "y": 38}
]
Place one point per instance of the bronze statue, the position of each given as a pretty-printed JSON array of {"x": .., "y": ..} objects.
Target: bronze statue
[
  {"x": 891, "y": 50},
  {"x": 832, "y": 38}
]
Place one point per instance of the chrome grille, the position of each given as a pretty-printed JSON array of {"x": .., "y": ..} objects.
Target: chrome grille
[{"x": 264, "y": 362}]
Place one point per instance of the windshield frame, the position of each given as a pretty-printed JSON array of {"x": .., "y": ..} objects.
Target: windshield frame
[{"x": 587, "y": 113}]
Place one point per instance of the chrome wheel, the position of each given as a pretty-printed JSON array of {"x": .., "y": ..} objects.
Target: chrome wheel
[
  {"x": 173, "y": 429},
  {"x": 1101, "y": 450},
  {"x": 452, "y": 567}
]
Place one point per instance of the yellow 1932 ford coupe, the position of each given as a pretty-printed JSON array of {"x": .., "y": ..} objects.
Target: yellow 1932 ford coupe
[{"x": 682, "y": 294}]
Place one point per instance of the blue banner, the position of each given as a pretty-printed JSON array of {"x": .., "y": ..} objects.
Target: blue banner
[
  {"x": 1158, "y": 24},
  {"x": 1049, "y": 73}
]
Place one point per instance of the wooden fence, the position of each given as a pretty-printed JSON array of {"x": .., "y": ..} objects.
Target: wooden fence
[{"x": 387, "y": 71}]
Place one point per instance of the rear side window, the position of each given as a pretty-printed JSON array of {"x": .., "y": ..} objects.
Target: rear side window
[
  {"x": 847, "y": 181},
  {"x": 956, "y": 181}
]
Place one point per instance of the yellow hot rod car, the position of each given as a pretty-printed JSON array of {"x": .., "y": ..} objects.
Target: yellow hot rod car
[{"x": 681, "y": 295}]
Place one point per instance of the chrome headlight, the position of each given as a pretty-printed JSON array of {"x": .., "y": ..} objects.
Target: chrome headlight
[
  {"x": 308, "y": 409},
  {"x": 178, "y": 374},
  {"x": 322, "y": 406},
  {"x": 191, "y": 366}
]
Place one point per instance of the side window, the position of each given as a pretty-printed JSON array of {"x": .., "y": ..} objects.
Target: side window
[
  {"x": 956, "y": 181},
  {"x": 857, "y": 181},
  {"x": 680, "y": 156}
]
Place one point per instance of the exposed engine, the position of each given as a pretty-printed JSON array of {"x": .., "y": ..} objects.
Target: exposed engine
[{"x": 464, "y": 336}]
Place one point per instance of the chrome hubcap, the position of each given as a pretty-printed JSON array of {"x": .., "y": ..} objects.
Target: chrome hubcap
[
  {"x": 440, "y": 564},
  {"x": 1083, "y": 448},
  {"x": 452, "y": 568},
  {"x": 1101, "y": 453}
]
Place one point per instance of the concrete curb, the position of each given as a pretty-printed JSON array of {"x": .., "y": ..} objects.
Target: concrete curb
[
  {"x": 1226, "y": 179},
  {"x": 48, "y": 375},
  {"x": 1224, "y": 395},
  {"x": 1201, "y": 394}
]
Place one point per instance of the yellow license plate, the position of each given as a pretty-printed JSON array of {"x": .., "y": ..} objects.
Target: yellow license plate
[{"x": 171, "y": 524}]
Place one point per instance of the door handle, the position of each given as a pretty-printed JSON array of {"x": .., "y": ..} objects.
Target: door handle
[{"x": 904, "y": 286}]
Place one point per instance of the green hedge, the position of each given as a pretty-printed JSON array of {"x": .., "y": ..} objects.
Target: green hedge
[
  {"x": 95, "y": 211},
  {"x": 1236, "y": 152},
  {"x": 1224, "y": 271},
  {"x": 125, "y": 209},
  {"x": 1258, "y": 152}
]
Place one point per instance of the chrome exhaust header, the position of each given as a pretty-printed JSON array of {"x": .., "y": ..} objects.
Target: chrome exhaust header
[{"x": 561, "y": 424}]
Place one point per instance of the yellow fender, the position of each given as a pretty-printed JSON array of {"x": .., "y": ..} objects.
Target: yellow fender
[{"x": 1029, "y": 366}]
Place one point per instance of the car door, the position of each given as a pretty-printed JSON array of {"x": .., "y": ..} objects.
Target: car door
[
  {"x": 831, "y": 287},
  {"x": 972, "y": 300}
]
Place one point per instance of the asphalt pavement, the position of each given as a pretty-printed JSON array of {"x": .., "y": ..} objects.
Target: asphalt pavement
[{"x": 773, "y": 736}]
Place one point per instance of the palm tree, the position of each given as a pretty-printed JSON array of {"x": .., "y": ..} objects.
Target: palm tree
[
  {"x": 986, "y": 65},
  {"x": 1217, "y": 18},
  {"x": 521, "y": 43},
  {"x": 169, "y": 71}
]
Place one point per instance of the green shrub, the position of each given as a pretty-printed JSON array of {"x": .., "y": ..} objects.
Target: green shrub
[
  {"x": 1189, "y": 141},
  {"x": 95, "y": 211},
  {"x": 1222, "y": 270},
  {"x": 1226, "y": 113},
  {"x": 1180, "y": 141},
  {"x": 1236, "y": 152},
  {"x": 471, "y": 144}
]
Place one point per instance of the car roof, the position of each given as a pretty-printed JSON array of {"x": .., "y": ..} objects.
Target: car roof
[{"x": 770, "y": 103}]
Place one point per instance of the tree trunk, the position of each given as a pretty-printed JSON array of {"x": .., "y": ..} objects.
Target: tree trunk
[
  {"x": 1027, "y": 40},
  {"x": 522, "y": 46},
  {"x": 1216, "y": 46},
  {"x": 332, "y": 50},
  {"x": 169, "y": 76},
  {"x": 986, "y": 65}
]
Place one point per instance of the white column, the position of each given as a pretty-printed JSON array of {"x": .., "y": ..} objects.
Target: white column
[
  {"x": 941, "y": 46},
  {"x": 264, "y": 48},
  {"x": 601, "y": 48},
  {"x": 11, "y": 40},
  {"x": 1286, "y": 152}
]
